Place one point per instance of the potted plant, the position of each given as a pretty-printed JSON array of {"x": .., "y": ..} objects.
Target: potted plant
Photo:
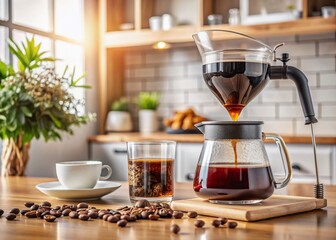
[
  {"x": 148, "y": 102},
  {"x": 35, "y": 102},
  {"x": 119, "y": 118}
]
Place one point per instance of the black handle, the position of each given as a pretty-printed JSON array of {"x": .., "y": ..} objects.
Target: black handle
[
  {"x": 301, "y": 82},
  {"x": 190, "y": 176},
  {"x": 296, "y": 167},
  {"x": 120, "y": 151}
]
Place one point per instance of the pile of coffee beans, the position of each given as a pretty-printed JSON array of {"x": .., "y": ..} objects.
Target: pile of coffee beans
[{"x": 121, "y": 216}]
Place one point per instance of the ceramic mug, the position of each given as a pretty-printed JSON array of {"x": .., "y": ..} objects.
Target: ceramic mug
[{"x": 81, "y": 174}]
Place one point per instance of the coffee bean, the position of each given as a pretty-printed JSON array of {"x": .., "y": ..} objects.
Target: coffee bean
[
  {"x": 165, "y": 205},
  {"x": 11, "y": 216},
  {"x": 46, "y": 204},
  {"x": 23, "y": 211},
  {"x": 34, "y": 207},
  {"x": 73, "y": 214},
  {"x": 58, "y": 213},
  {"x": 216, "y": 223},
  {"x": 232, "y": 224},
  {"x": 47, "y": 212},
  {"x": 1, "y": 212},
  {"x": 66, "y": 212},
  {"x": 125, "y": 217},
  {"x": 83, "y": 212},
  {"x": 31, "y": 214},
  {"x": 101, "y": 213},
  {"x": 122, "y": 223},
  {"x": 83, "y": 217},
  {"x": 142, "y": 203},
  {"x": 49, "y": 218},
  {"x": 73, "y": 207},
  {"x": 177, "y": 214},
  {"x": 105, "y": 217},
  {"x": 132, "y": 218},
  {"x": 144, "y": 215},
  {"x": 163, "y": 213},
  {"x": 175, "y": 228},
  {"x": 82, "y": 205},
  {"x": 15, "y": 211},
  {"x": 93, "y": 215},
  {"x": 29, "y": 204},
  {"x": 112, "y": 219},
  {"x": 199, "y": 223},
  {"x": 223, "y": 220},
  {"x": 57, "y": 208},
  {"x": 93, "y": 211},
  {"x": 170, "y": 213},
  {"x": 39, "y": 212},
  {"x": 192, "y": 214},
  {"x": 153, "y": 217}
]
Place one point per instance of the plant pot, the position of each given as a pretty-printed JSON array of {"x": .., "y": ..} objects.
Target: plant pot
[
  {"x": 148, "y": 121},
  {"x": 118, "y": 121},
  {"x": 14, "y": 157}
]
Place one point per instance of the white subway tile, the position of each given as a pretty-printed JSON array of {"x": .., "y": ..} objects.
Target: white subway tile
[
  {"x": 157, "y": 57},
  {"x": 185, "y": 55},
  {"x": 327, "y": 79},
  {"x": 176, "y": 70},
  {"x": 261, "y": 111},
  {"x": 164, "y": 111},
  {"x": 170, "y": 97},
  {"x": 157, "y": 85},
  {"x": 327, "y": 48},
  {"x": 133, "y": 86},
  {"x": 194, "y": 69},
  {"x": 293, "y": 110},
  {"x": 318, "y": 64},
  {"x": 280, "y": 127},
  {"x": 132, "y": 58},
  {"x": 201, "y": 97},
  {"x": 215, "y": 111},
  {"x": 328, "y": 111},
  {"x": 323, "y": 95},
  {"x": 143, "y": 72},
  {"x": 184, "y": 84},
  {"x": 299, "y": 49},
  {"x": 277, "y": 95},
  {"x": 322, "y": 128},
  {"x": 319, "y": 36}
]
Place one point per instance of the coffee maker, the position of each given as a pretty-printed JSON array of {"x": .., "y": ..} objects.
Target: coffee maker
[{"x": 236, "y": 74}]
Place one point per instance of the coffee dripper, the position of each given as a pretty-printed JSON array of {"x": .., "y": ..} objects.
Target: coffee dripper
[{"x": 236, "y": 74}]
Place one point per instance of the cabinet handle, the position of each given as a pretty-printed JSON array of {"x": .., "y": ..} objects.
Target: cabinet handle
[
  {"x": 299, "y": 167},
  {"x": 190, "y": 176},
  {"x": 120, "y": 151}
]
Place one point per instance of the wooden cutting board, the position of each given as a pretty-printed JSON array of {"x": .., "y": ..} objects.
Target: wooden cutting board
[{"x": 274, "y": 206}]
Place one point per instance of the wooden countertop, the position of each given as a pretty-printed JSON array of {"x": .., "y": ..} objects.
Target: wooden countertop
[
  {"x": 15, "y": 191},
  {"x": 190, "y": 138}
]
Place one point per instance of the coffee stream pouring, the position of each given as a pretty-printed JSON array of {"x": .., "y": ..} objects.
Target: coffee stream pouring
[{"x": 236, "y": 72}]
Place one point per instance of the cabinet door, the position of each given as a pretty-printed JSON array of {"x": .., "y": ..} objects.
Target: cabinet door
[
  {"x": 186, "y": 160},
  {"x": 303, "y": 164},
  {"x": 114, "y": 155}
]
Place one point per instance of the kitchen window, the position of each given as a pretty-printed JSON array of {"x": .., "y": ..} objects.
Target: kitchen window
[{"x": 57, "y": 24}]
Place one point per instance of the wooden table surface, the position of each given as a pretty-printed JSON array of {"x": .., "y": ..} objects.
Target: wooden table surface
[{"x": 15, "y": 191}]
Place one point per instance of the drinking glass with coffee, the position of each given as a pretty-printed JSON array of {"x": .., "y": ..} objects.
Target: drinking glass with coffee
[{"x": 151, "y": 170}]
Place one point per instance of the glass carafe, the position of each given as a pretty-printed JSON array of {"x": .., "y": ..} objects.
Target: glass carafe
[{"x": 233, "y": 167}]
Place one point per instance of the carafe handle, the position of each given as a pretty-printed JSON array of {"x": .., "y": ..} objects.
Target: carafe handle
[{"x": 284, "y": 157}]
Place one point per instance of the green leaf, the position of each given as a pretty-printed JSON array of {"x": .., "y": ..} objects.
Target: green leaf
[
  {"x": 3, "y": 118},
  {"x": 57, "y": 123},
  {"x": 26, "y": 111}
]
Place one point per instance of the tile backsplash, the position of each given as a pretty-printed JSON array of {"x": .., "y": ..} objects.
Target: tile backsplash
[{"x": 176, "y": 74}]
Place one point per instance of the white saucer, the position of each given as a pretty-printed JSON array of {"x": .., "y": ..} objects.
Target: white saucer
[{"x": 55, "y": 189}]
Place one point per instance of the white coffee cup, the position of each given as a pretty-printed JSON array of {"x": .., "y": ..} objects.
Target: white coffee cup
[{"x": 81, "y": 174}]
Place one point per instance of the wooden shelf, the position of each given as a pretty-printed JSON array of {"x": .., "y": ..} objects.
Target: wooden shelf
[{"x": 183, "y": 34}]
